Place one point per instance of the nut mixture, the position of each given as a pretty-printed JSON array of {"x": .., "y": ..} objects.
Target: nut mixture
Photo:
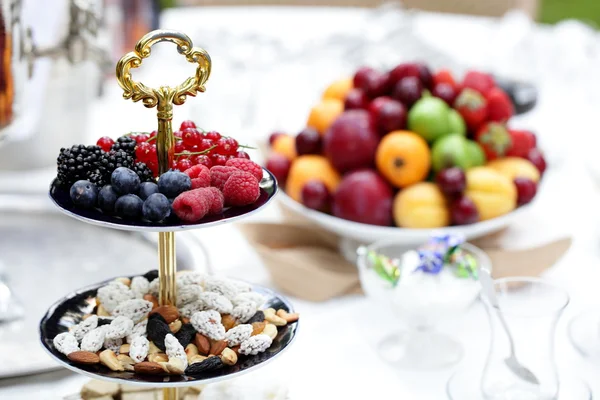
[{"x": 215, "y": 322}]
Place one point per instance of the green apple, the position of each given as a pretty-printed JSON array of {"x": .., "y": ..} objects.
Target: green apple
[
  {"x": 476, "y": 154},
  {"x": 450, "y": 151},
  {"x": 428, "y": 117},
  {"x": 456, "y": 123}
]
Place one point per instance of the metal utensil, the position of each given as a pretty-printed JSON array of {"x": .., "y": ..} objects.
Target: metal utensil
[{"x": 511, "y": 361}]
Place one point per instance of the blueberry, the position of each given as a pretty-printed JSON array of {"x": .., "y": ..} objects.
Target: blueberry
[
  {"x": 156, "y": 207},
  {"x": 107, "y": 197},
  {"x": 84, "y": 194},
  {"x": 125, "y": 181},
  {"x": 148, "y": 188},
  {"x": 129, "y": 206},
  {"x": 172, "y": 183}
]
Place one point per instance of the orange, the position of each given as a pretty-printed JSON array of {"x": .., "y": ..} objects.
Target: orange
[
  {"x": 403, "y": 158},
  {"x": 306, "y": 168},
  {"x": 285, "y": 145},
  {"x": 323, "y": 114},
  {"x": 338, "y": 89}
]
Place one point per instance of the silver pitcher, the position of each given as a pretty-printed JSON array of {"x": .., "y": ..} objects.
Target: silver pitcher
[{"x": 46, "y": 80}]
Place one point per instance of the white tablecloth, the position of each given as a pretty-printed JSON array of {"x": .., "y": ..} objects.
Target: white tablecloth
[{"x": 334, "y": 357}]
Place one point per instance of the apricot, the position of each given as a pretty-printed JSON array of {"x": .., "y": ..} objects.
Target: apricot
[
  {"x": 493, "y": 193},
  {"x": 324, "y": 114},
  {"x": 338, "y": 89},
  {"x": 310, "y": 167},
  {"x": 285, "y": 145},
  {"x": 403, "y": 158},
  {"x": 421, "y": 205},
  {"x": 515, "y": 167}
]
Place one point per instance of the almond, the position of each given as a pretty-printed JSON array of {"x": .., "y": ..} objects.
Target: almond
[
  {"x": 202, "y": 343},
  {"x": 185, "y": 320},
  {"x": 151, "y": 299},
  {"x": 258, "y": 327},
  {"x": 228, "y": 321},
  {"x": 289, "y": 318},
  {"x": 175, "y": 326},
  {"x": 169, "y": 313},
  {"x": 217, "y": 347},
  {"x": 84, "y": 357},
  {"x": 147, "y": 367},
  {"x": 236, "y": 349}
]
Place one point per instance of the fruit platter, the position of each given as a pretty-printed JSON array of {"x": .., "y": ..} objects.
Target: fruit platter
[
  {"x": 115, "y": 182},
  {"x": 403, "y": 152}
]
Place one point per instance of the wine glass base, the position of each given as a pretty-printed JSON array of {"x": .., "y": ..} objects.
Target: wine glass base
[
  {"x": 465, "y": 385},
  {"x": 422, "y": 350},
  {"x": 584, "y": 332}
]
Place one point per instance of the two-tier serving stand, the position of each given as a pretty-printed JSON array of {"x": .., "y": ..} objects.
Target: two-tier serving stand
[{"x": 67, "y": 311}]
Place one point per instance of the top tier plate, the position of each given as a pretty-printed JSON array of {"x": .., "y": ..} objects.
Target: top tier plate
[{"x": 60, "y": 197}]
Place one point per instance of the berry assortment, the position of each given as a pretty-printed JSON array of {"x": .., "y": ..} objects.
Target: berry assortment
[
  {"x": 120, "y": 177},
  {"x": 410, "y": 147},
  {"x": 215, "y": 323}
]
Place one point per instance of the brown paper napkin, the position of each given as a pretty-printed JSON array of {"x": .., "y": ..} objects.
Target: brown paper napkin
[{"x": 304, "y": 260}]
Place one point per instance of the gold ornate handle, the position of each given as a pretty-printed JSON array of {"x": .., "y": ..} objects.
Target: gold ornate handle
[{"x": 164, "y": 97}]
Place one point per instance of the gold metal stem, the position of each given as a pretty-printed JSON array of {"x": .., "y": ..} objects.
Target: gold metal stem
[
  {"x": 167, "y": 267},
  {"x": 170, "y": 394}
]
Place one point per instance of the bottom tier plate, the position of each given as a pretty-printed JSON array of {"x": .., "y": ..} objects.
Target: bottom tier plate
[{"x": 71, "y": 309}]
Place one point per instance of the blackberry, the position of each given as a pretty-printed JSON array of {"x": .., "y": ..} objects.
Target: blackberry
[
  {"x": 96, "y": 177},
  {"x": 77, "y": 163},
  {"x": 112, "y": 160},
  {"x": 143, "y": 171},
  {"x": 125, "y": 143}
]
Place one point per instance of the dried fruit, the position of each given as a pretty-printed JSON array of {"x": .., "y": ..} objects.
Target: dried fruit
[
  {"x": 157, "y": 330},
  {"x": 228, "y": 356},
  {"x": 258, "y": 327},
  {"x": 217, "y": 347},
  {"x": 202, "y": 343},
  {"x": 228, "y": 321},
  {"x": 109, "y": 359},
  {"x": 258, "y": 317},
  {"x": 148, "y": 367},
  {"x": 84, "y": 357},
  {"x": 289, "y": 317},
  {"x": 186, "y": 334},
  {"x": 169, "y": 313},
  {"x": 210, "y": 364}
]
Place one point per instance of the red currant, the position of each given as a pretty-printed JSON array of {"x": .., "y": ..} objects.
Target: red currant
[
  {"x": 205, "y": 144},
  {"x": 183, "y": 164},
  {"x": 178, "y": 134},
  {"x": 179, "y": 146},
  {"x": 187, "y": 124},
  {"x": 153, "y": 134},
  {"x": 242, "y": 154},
  {"x": 153, "y": 165},
  {"x": 105, "y": 143},
  {"x": 213, "y": 135},
  {"x": 226, "y": 146},
  {"x": 141, "y": 138},
  {"x": 201, "y": 159},
  {"x": 191, "y": 137},
  {"x": 142, "y": 150},
  {"x": 219, "y": 159}
]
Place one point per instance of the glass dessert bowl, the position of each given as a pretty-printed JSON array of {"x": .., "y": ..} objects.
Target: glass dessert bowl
[{"x": 422, "y": 286}]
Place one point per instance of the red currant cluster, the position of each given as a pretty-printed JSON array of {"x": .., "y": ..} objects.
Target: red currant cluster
[{"x": 192, "y": 147}]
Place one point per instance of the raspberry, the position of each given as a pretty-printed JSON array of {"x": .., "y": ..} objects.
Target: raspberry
[
  {"x": 219, "y": 175},
  {"x": 241, "y": 189},
  {"x": 217, "y": 200},
  {"x": 191, "y": 206},
  {"x": 247, "y": 166},
  {"x": 200, "y": 175}
]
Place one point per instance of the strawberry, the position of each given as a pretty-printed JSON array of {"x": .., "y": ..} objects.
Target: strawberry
[
  {"x": 472, "y": 106},
  {"x": 444, "y": 76},
  {"x": 500, "y": 108},
  {"x": 522, "y": 141},
  {"x": 494, "y": 139},
  {"x": 479, "y": 81}
]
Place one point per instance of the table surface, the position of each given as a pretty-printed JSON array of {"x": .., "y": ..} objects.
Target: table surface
[{"x": 334, "y": 355}]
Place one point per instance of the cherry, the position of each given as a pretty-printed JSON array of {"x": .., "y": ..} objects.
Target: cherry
[
  {"x": 279, "y": 166},
  {"x": 372, "y": 82},
  {"x": 242, "y": 154},
  {"x": 205, "y": 144},
  {"x": 201, "y": 159},
  {"x": 179, "y": 146},
  {"x": 526, "y": 190},
  {"x": 408, "y": 91},
  {"x": 213, "y": 135},
  {"x": 274, "y": 136},
  {"x": 141, "y": 138},
  {"x": 226, "y": 146},
  {"x": 361, "y": 76},
  {"x": 402, "y": 71},
  {"x": 425, "y": 76},
  {"x": 446, "y": 92},
  {"x": 105, "y": 143},
  {"x": 183, "y": 164},
  {"x": 452, "y": 181},
  {"x": 388, "y": 114},
  {"x": 187, "y": 124},
  {"x": 308, "y": 141},
  {"x": 191, "y": 137},
  {"x": 219, "y": 159},
  {"x": 463, "y": 211},
  {"x": 315, "y": 195},
  {"x": 537, "y": 158},
  {"x": 355, "y": 99}
]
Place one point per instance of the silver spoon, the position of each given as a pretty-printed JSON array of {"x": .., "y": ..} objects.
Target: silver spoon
[{"x": 511, "y": 361}]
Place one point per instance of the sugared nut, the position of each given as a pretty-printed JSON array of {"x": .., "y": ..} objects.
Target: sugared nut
[
  {"x": 124, "y": 280},
  {"x": 158, "y": 357},
  {"x": 152, "y": 349},
  {"x": 258, "y": 327},
  {"x": 228, "y": 321},
  {"x": 228, "y": 356},
  {"x": 84, "y": 357},
  {"x": 175, "y": 326},
  {"x": 270, "y": 330},
  {"x": 191, "y": 350},
  {"x": 126, "y": 361},
  {"x": 86, "y": 316},
  {"x": 124, "y": 348},
  {"x": 202, "y": 343},
  {"x": 289, "y": 317},
  {"x": 196, "y": 359},
  {"x": 176, "y": 366},
  {"x": 147, "y": 367},
  {"x": 273, "y": 318},
  {"x": 109, "y": 359},
  {"x": 169, "y": 313},
  {"x": 101, "y": 312},
  {"x": 217, "y": 347},
  {"x": 152, "y": 299}
]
